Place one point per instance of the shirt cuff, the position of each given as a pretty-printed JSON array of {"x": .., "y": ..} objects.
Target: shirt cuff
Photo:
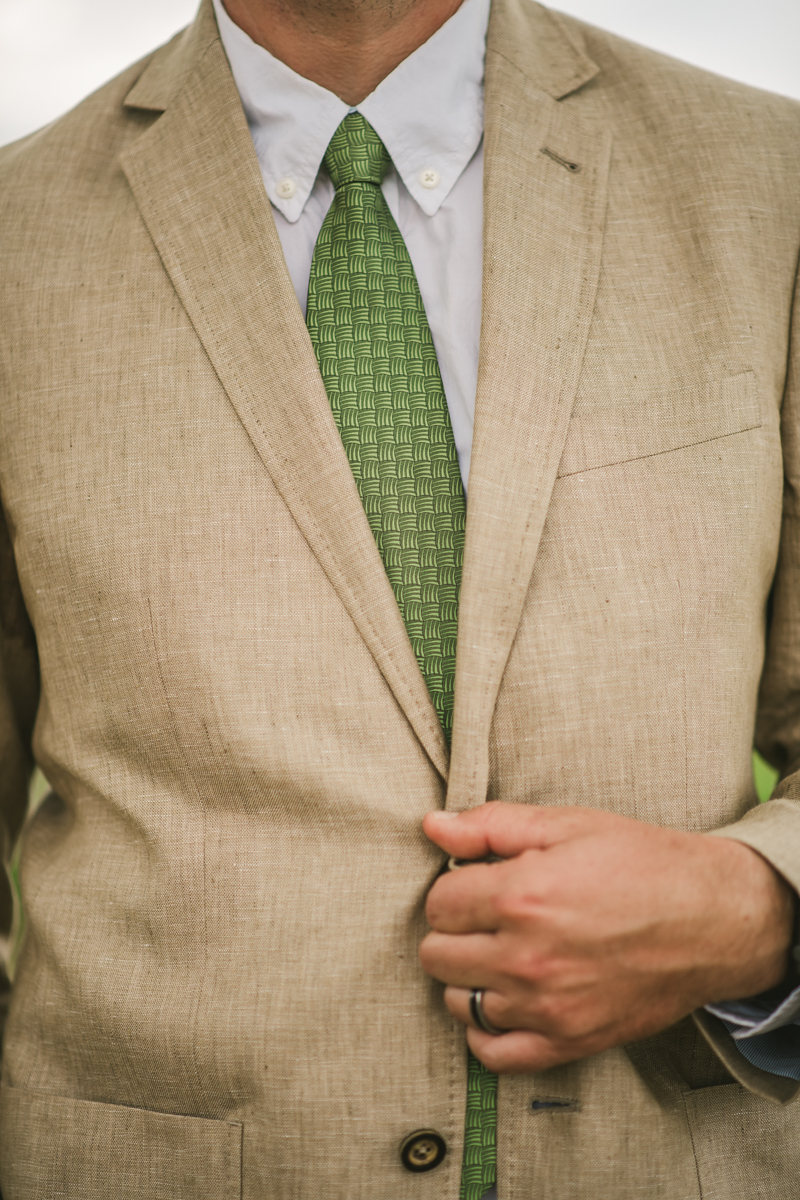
[
  {"x": 757, "y": 1015},
  {"x": 766, "y": 1029}
]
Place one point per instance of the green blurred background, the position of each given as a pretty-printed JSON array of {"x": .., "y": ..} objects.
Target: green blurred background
[{"x": 765, "y": 777}]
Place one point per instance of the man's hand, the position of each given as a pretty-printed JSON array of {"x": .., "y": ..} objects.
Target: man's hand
[{"x": 597, "y": 930}]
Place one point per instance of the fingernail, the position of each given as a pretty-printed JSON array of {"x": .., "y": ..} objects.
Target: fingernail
[{"x": 445, "y": 816}]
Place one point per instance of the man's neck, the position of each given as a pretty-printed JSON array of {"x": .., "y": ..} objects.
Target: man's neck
[{"x": 346, "y": 46}]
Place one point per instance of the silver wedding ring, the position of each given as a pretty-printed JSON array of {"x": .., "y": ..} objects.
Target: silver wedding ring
[{"x": 479, "y": 1016}]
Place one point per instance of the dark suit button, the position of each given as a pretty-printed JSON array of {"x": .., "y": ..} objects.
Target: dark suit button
[{"x": 422, "y": 1150}]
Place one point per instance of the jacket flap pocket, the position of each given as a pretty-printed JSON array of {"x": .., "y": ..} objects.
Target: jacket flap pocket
[
  {"x": 56, "y": 1146},
  {"x": 654, "y": 423}
]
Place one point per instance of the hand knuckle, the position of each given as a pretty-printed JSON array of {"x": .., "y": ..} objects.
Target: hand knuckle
[
  {"x": 507, "y": 907},
  {"x": 529, "y": 967},
  {"x": 572, "y": 1024},
  {"x": 501, "y": 1010}
]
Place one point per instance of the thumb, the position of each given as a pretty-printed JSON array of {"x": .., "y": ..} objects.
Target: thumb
[{"x": 507, "y": 829}]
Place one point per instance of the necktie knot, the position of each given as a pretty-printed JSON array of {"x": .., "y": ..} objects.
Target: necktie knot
[{"x": 356, "y": 153}]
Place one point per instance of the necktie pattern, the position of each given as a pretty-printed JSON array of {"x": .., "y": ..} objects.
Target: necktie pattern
[
  {"x": 373, "y": 344},
  {"x": 479, "y": 1167},
  {"x": 378, "y": 363}
]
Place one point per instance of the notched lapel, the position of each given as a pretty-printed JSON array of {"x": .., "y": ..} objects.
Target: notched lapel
[
  {"x": 196, "y": 180},
  {"x": 545, "y": 197}
]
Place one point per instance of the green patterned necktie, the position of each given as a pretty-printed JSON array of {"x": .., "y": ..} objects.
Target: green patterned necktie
[{"x": 378, "y": 363}]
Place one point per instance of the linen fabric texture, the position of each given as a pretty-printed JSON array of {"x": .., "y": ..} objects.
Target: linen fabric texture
[
  {"x": 224, "y": 893},
  {"x": 430, "y": 110}
]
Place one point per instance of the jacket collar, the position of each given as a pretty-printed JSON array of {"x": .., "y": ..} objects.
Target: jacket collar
[{"x": 539, "y": 44}]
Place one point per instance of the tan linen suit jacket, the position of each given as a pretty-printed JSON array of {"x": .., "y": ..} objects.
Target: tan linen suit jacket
[{"x": 219, "y": 994}]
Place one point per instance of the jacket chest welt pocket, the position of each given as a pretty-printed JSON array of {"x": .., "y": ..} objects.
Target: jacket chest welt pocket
[
  {"x": 57, "y": 1146},
  {"x": 657, "y": 421}
]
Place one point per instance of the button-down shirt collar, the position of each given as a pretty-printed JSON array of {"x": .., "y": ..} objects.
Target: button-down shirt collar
[{"x": 428, "y": 112}]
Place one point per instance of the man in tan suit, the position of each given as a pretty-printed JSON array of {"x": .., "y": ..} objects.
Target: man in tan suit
[{"x": 220, "y": 992}]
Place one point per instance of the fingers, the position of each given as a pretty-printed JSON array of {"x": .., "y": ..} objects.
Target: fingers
[
  {"x": 508, "y": 829},
  {"x": 521, "y": 893},
  {"x": 517, "y": 1051},
  {"x": 458, "y": 1001},
  {"x": 468, "y": 900},
  {"x": 520, "y": 1051},
  {"x": 466, "y": 962}
]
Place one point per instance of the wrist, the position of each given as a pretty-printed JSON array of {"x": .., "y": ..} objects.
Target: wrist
[{"x": 763, "y": 927}]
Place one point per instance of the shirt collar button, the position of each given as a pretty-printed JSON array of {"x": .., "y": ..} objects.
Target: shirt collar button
[{"x": 429, "y": 178}]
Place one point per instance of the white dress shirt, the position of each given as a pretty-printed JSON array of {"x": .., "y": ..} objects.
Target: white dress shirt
[{"x": 429, "y": 114}]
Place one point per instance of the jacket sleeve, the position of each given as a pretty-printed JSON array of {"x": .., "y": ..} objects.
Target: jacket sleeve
[
  {"x": 773, "y": 829},
  {"x": 19, "y": 696}
]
